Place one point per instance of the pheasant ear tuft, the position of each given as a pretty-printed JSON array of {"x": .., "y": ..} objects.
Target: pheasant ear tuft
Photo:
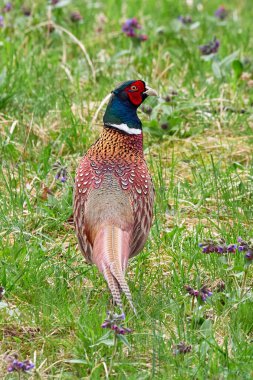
[{"x": 123, "y": 95}]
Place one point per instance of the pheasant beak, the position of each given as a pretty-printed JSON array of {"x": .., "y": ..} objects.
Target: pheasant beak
[{"x": 150, "y": 92}]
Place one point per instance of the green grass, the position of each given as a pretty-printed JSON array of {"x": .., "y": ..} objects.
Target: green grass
[{"x": 202, "y": 169}]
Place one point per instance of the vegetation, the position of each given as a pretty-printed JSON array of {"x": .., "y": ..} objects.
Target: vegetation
[{"x": 57, "y": 66}]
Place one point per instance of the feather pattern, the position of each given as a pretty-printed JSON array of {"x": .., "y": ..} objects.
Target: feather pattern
[
  {"x": 113, "y": 205},
  {"x": 110, "y": 254}
]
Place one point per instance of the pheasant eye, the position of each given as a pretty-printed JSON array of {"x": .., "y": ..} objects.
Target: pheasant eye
[{"x": 134, "y": 88}]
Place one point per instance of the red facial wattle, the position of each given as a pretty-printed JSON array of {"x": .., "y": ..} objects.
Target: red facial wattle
[{"x": 135, "y": 91}]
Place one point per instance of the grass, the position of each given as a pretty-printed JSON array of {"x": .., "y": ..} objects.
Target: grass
[{"x": 202, "y": 169}]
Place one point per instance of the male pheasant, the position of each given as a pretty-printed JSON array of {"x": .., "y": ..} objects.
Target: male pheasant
[{"x": 114, "y": 194}]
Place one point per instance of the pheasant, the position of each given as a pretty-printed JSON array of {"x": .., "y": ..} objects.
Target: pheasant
[{"x": 114, "y": 194}]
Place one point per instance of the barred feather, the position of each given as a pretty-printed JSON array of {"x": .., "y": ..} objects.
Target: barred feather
[{"x": 110, "y": 254}]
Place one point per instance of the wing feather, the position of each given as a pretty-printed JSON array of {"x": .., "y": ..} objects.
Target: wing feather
[{"x": 83, "y": 185}]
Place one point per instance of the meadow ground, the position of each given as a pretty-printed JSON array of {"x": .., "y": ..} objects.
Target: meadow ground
[{"x": 54, "y": 73}]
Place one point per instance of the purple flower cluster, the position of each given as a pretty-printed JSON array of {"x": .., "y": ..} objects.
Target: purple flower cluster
[
  {"x": 210, "y": 48},
  {"x": 62, "y": 173},
  {"x": 130, "y": 28},
  {"x": 7, "y": 7},
  {"x": 114, "y": 322},
  {"x": 202, "y": 294},
  {"x": 221, "y": 13},
  {"x": 1, "y": 21},
  {"x": 247, "y": 247},
  {"x": 181, "y": 348},
  {"x": 76, "y": 16},
  {"x": 16, "y": 365},
  {"x": 185, "y": 19},
  {"x": 219, "y": 246}
]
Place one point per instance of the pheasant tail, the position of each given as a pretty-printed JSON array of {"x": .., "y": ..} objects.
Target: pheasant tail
[{"x": 110, "y": 254}]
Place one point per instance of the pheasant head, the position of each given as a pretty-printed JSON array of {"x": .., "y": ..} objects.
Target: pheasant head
[{"x": 121, "y": 112}]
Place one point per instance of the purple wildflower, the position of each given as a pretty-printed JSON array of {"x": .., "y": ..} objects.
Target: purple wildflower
[
  {"x": 76, "y": 16},
  {"x": 181, "y": 348},
  {"x": 130, "y": 27},
  {"x": 202, "y": 294},
  {"x": 185, "y": 19},
  {"x": 62, "y": 173},
  {"x": 54, "y": 2},
  {"x": 142, "y": 37},
  {"x": 114, "y": 322},
  {"x": 20, "y": 366},
  {"x": 205, "y": 292},
  {"x": 7, "y": 7},
  {"x": 220, "y": 249},
  {"x": 210, "y": 48},
  {"x": 221, "y": 13},
  {"x": 121, "y": 330},
  {"x": 232, "y": 248},
  {"x": 1, "y": 21},
  {"x": 191, "y": 291},
  {"x": 146, "y": 109},
  {"x": 243, "y": 245},
  {"x": 249, "y": 255},
  {"x": 246, "y": 246}
]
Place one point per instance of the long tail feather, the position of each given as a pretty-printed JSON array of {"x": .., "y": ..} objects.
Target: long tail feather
[
  {"x": 113, "y": 286},
  {"x": 110, "y": 253},
  {"x": 119, "y": 276}
]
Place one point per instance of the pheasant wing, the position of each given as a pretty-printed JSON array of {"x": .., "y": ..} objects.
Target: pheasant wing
[
  {"x": 142, "y": 199},
  {"x": 83, "y": 186}
]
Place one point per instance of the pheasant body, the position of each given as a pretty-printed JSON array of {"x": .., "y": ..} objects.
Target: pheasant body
[{"x": 113, "y": 204}]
